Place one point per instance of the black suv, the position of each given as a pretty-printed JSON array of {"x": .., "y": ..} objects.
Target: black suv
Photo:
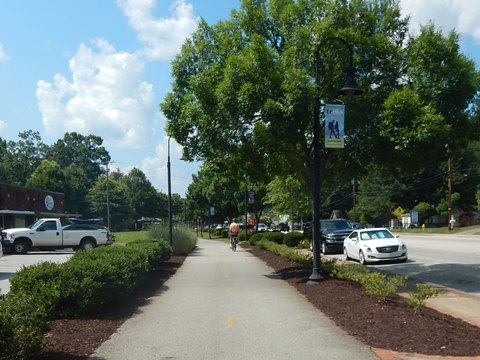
[{"x": 333, "y": 232}]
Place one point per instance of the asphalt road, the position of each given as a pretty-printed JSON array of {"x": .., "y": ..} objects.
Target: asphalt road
[
  {"x": 10, "y": 264},
  {"x": 448, "y": 260}
]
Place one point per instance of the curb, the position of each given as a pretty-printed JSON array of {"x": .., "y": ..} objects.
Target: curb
[{"x": 393, "y": 355}]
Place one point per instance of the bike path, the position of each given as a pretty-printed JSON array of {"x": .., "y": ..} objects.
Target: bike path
[{"x": 229, "y": 305}]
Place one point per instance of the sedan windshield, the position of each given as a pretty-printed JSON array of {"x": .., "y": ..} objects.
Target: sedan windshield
[{"x": 376, "y": 234}]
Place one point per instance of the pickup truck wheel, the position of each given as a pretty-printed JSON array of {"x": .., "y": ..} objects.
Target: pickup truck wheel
[
  {"x": 87, "y": 244},
  {"x": 324, "y": 248},
  {"x": 20, "y": 247}
]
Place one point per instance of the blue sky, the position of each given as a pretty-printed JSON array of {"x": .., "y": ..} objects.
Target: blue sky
[{"x": 102, "y": 67}]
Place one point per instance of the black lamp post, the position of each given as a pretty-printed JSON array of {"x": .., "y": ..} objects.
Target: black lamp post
[
  {"x": 449, "y": 199},
  {"x": 169, "y": 180},
  {"x": 350, "y": 89}
]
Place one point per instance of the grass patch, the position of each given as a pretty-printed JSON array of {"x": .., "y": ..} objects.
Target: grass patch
[{"x": 124, "y": 237}]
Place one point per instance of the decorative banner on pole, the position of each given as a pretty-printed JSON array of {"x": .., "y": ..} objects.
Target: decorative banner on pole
[
  {"x": 251, "y": 197},
  {"x": 334, "y": 126}
]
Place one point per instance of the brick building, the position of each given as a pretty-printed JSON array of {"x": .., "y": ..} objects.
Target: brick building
[{"x": 21, "y": 206}]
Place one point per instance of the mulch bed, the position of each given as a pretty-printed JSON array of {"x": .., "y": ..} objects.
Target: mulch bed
[
  {"x": 75, "y": 339},
  {"x": 390, "y": 324}
]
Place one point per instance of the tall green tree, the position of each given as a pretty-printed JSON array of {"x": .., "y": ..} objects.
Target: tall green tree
[
  {"x": 141, "y": 194},
  {"x": 120, "y": 211},
  {"x": 76, "y": 186},
  {"x": 86, "y": 152},
  {"x": 249, "y": 81},
  {"x": 76, "y": 151},
  {"x": 47, "y": 176},
  {"x": 287, "y": 196},
  {"x": 22, "y": 157}
]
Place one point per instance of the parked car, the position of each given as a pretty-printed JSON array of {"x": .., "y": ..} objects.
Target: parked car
[
  {"x": 357, "y": 225},
  {"x": 262, "y": 227},
  {"x": 282, "y": 227},
  {"x": 48, "y": 233},
  {"x": 373, "y": 245},
  {"x": 1, "y": 248},
  {"x": 332, "y": 234}
]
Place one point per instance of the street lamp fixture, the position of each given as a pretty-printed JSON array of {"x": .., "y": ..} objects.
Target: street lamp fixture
[{"x": 349, "y": 89}]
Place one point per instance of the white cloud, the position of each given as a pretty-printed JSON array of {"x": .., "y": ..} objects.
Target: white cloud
[
  {"x": 155, "y": 168},
  {"x": 106, "y": 97},
  {"x": 3, "y": 128},
  {"x": 3, "y": 54},
  {"x": 461, "y": 15},
  {"x": 162, "y": 37}
]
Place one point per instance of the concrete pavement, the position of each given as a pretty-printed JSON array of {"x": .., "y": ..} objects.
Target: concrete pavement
[{"x": 226, "y": 305}]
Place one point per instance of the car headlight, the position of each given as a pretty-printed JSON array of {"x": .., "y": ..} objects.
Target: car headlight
[
  {"x": 402, "y": 247},
  {"x": 368, "y": 249}
]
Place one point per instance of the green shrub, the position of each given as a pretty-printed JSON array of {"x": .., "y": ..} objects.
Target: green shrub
[
  {"x": 41, "y": 280},
  {"x": 327, "y": 266},
  {"x": 88, "y": 282},
  {"x": 242, "y": 237},
  {"x": 274, "y": 236},
  {"x": 285, "y": 251},
  {"x": 91, "y": 280},
  {"x": 418, "y": 299},
  {"x": 23, "y": 324},
  {"x": 304, "y": 244},
  {"x": 184, "y": 240},
  {"x": 375, "y": 283},
  {"x": 255, "y": 238},
  {"x": 381, "y": 285},
  {"x": 292, "y": 239},
  {"x": 352, "y": 272}
]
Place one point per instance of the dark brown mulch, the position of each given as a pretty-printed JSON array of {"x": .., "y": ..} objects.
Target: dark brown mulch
[{"x": 387, "y": 324}]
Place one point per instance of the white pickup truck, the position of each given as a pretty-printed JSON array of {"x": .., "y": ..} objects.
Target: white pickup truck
[{"x": 50, "y": 234}]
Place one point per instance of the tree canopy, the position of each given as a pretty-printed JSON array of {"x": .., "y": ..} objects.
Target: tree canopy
[{"x": 244, "y": 90}]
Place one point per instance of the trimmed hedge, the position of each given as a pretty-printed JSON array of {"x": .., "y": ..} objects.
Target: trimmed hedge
[
  {"x": 256, "y": 238},
  {"x": 292, "y": 239},
  {"x": 88, "y": 282},
  {"x": 274, "y": 236}
]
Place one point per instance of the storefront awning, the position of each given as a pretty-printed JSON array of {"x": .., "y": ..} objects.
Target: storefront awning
[{"x": 16, "y": 212}]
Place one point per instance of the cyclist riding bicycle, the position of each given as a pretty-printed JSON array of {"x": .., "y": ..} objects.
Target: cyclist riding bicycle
[{"x": 233, "y": 230}]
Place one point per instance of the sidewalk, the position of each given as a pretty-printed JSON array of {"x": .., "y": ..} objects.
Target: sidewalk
[{"x": 226, "y": 305}]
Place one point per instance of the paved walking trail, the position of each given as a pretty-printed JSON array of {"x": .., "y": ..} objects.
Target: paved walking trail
[{"x": 226, "y": 305}]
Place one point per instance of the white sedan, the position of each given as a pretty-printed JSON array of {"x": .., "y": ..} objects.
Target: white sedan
[
  {"x": 262, "y": 227},
  {"x": 374, "y": 244}
]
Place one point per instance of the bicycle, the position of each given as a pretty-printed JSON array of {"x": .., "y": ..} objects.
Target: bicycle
[{"x": 233, "y": 242}]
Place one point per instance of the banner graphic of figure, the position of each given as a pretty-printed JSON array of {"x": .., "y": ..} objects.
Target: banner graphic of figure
[{"x": 334, "y": 126}]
